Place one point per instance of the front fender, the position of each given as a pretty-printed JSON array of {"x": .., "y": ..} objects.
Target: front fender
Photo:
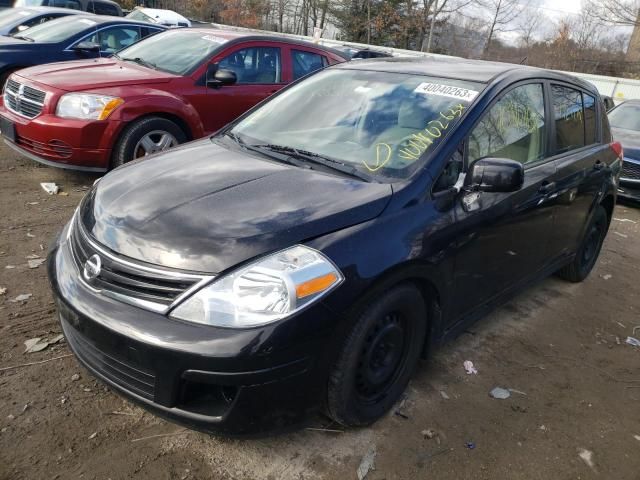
[
  {"x": 139, "y": 102},
  {"x": 149, "y": 105}
]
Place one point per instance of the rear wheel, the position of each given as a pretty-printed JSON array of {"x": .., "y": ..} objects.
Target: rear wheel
[
  {"x": 146, "y": 137},
  {"x": 378, "y": 357},
  {"x": 589, "y": 250}
]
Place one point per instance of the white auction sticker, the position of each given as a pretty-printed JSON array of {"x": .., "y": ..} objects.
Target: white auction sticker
[
  {"x": 213, "y": 38},
  {"x": 446, "y": 91}
]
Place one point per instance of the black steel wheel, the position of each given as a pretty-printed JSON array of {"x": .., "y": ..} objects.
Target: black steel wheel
[{"x": 378, "y": 357}]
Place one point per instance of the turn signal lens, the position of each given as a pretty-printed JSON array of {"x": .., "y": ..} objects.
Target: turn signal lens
[
  {"x": 110, "y": 107},
  {"x": 316, "y": 285}
]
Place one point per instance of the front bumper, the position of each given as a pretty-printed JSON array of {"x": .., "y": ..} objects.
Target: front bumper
[
  {"x": 61, "y": 142},
  {"x": 236, "y": 382}
]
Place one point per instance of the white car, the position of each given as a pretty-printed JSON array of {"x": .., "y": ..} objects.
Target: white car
[{"x": 168, "y": 18}]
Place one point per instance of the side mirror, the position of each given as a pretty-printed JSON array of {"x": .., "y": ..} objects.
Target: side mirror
[
  {"x": 495, "y": 175},
  {"x": 217, "y": 78},
  {"x": 87, "y": 47}
]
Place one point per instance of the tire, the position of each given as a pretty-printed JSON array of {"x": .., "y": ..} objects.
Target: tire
[
  {"x": 378, "y": 357},
  {"x": 589, "y": 250},
  {"x": 131, "y": 144}
]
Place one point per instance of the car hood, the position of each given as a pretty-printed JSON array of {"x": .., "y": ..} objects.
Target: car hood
[
  {"x": 92, "y": 74},
  {"x": 630, "y": 140},
  {"x": 9, "y": 43},
  {"x": 202, "y": 207}
]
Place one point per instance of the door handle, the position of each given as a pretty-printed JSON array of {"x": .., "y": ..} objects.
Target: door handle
[
  {"x": 599, "y": 165},
  {"x": 547, "y": 187}
]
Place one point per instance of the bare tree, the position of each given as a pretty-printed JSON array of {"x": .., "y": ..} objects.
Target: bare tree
[
  {"x": 530, "y": 26},
  {"x": 619, "y": 12},
  {"x": 586, "y": 30},
  {"x": 503, "y": 13}
]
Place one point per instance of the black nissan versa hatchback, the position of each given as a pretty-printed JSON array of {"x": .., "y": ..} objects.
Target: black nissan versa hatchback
[{"x": 307, "y": 255}]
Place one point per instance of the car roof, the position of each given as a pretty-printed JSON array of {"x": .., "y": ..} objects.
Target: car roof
[
  {"x": 100, "y": 19},
  {"x": 459, "y": 69},
  {"x": 44, "y": 9},
  {"x": 236, "y": 36}
]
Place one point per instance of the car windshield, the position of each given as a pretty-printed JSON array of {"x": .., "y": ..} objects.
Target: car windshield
[
  {"x": 625, "y": 116},
  {"x": 57, "y": 30},
  {"x": 141, "y": 16},
  {"x": 175, "y": 51},
  {"x": 381, "y": 124}
]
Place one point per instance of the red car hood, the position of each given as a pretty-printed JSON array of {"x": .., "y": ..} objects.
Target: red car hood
[{"x": 91, "y": 74}]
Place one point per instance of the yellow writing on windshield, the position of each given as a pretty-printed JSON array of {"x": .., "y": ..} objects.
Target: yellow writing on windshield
[
  {"x": 383, "y": 155},
  {"x": 418, "y": 143}
]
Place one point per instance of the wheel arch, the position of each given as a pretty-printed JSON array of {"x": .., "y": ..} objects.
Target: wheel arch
[
  {"x": 182, "y": 123},
  {"x": 426, "y": 280}
]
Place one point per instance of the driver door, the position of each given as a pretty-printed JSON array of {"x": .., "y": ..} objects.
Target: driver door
[
  {"x": 259, "y": 70},
  {"x": 504, "y": 237}
]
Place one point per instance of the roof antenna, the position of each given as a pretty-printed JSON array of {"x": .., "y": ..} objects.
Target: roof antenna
[{"x": 524, "y": 60}]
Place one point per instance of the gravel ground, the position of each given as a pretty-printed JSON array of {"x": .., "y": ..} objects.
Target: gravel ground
[{"x": 561, "y": 346}]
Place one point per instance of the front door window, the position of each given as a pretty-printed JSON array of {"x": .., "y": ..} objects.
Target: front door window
[
  {"x": 513, "y": 128},
  {"x": 254, "y": 65}
]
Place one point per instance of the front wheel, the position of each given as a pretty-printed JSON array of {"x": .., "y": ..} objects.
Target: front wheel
[
  {"x": 145, "y": 137},
  {"x": 378, "y": 357},
  {"x": 589, "y": 250}
]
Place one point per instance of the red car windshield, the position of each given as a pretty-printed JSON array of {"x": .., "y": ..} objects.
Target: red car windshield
[{"x": 174, "y": 51}]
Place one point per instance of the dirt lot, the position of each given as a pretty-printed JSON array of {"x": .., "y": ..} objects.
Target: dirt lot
[{"x": 561, "y": 345}]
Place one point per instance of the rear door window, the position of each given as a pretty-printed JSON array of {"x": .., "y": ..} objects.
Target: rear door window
[
  {"x": 73, "y": 4},
  {"x": 100, "y": 8},
  {"x": 305, "y": 63},
  {"x": 513, "y": 128},
  {"x": 254, "y": 65},
  {"x": 569, "y": 118}
]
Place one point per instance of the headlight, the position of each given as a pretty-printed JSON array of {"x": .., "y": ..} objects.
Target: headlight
[
  {"x": 85, "y": 106},
  {"x": 264, "y": 291}
]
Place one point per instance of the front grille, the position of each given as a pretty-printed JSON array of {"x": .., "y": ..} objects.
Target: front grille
[
  {"x": 23, "y": 99},
  {"x": 125, "y": 373},
  {"x": 630, "y": 170},
  {"x": 147, "y": 287}
]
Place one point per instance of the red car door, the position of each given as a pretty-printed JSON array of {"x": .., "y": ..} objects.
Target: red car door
[{"x": 261, "y": 69}]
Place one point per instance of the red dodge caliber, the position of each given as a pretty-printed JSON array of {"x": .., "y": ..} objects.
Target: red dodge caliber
[{"x": 176, "y": 86}]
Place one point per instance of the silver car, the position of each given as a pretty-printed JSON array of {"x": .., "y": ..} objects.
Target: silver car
[{"x": 15, "y": 20}]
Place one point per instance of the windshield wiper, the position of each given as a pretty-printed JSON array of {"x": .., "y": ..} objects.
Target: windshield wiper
[
  {"x": 23, "y": 37},
  {"x": 258, "y": 149},
  {"x": 139, "y": 61},
  {"x": 319, "y": 159}
]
